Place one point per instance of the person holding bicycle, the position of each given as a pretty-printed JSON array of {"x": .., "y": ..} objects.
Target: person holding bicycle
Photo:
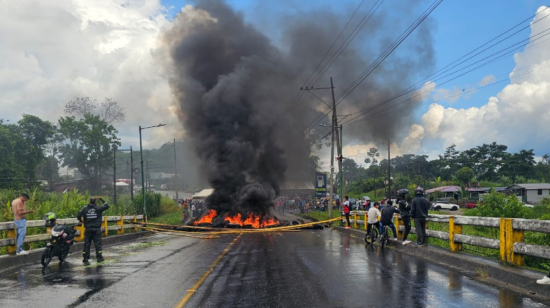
[
  {"x": 373, "y": 218},
  {"x": 405, "y": 209},
  {"x": 387, "y": 217}
]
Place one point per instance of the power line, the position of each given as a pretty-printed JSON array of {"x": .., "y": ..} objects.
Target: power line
[
  {"x": 381, "y": 58},
  {"x": 376, "y": 115},
  {"x": 338, "y": 52},
  {"x": 418, "y": 85},
  {"x": 388, "y": 51},
  {"x": 349, "y": 39}
]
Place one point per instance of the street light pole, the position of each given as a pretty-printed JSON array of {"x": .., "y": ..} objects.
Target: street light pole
[
  {"x": 143, "y": 173},
  {"x": 176, "y": 174}
]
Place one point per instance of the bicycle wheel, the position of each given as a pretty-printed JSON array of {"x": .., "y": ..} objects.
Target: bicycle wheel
[
  {"x": 385, "y": 237},
  {"x": 373, "y": 235}
]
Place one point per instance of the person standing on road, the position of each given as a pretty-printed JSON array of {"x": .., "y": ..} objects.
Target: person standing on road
[
  {"x": 18, "y": 207},
  {"x": 92, "y": 216},
  {"x": 387, "y": 217},
  {"x": 419, "y": 212},
  {"x": 405, "y": 209},
  {"x": 545, "y": 279},
  {"x": 346, "y": 210}
]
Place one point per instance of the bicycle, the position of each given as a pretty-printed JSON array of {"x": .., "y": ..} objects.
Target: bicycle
[
  {"x": 373, "y": 235},
  {"x": 385, "y": 238}
]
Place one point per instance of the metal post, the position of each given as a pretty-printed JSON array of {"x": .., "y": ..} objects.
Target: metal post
[
  {"x": 176, "y": 169},
  {"x": 148, "y": 177},
  {"x": 389, "y": 172},
  {"x": 332, "y": 151},
  {"x": 114, "y": 174},
  {"x": 131, "y": 174},
  {"x": 341, "y": 163},
  {"x": 142, "y": 174}
]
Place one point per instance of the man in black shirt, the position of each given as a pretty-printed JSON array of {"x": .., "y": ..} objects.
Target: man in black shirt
[
  {"x": 419, "y": 212},
  {"x": 387, "y": 216},
  {"x": 92, "y": 216}
]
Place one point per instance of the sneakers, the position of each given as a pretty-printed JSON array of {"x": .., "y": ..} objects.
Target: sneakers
[
  {"x": 22, "y": 253},
  {"x": 100, "y": 259},
  {"x": 347, "y": 227},
  {"x": 85, "y": 261},
  {"x": 419, "y": 245},
  {"x": 544, "y": 280},
  {"x": 405, "y": 242}
]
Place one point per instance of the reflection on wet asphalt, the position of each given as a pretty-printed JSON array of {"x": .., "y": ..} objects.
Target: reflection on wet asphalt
[{"x": 300, "y": 269}]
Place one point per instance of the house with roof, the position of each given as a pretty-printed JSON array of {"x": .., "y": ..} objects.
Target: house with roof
[
  {"x": 449, "y": 191},
  {"x": 530, "y": 193}
]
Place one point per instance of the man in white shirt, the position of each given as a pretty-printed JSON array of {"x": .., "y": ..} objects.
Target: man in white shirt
[{"x": 373, "y": 218}]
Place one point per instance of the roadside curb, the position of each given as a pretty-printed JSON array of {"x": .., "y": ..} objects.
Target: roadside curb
[
  {"x": 479, "y": 268},
  {"x": 34, "y": 256}
]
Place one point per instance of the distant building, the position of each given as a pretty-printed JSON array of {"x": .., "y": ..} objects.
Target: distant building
[
  {"x": 449, "y": 191},
  {"x": 297, "y": 189},
  {"x": 530, "y": 193}
]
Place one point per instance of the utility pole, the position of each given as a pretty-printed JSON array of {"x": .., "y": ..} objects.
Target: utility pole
[
  {"x": 389, "y": 174},
  {"x": 334, "y": 133},
  {"x": 114, "y": 174},
  {"x": 131, "y": 174},
  {"x": 341, "y": 162},
  {"x": 148, "y": 176},
  {"x": 176, "y": 169}
]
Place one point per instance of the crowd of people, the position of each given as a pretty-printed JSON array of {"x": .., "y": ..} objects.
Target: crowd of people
[{"x": 382, "y": 214}]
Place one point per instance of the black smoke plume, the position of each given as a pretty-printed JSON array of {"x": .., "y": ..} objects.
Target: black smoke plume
[{"x": 237, "y": 93}]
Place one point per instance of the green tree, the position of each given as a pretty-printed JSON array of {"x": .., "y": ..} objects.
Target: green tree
[
  {"x": 37, "y": 134},
  {"x": 499, "y": 205},
  {"x": 372, "y": 160},
  {"x": 521, "y": 164},
  {"x": 108, "y": 111},
  {"x": 87, "y": 145},
  {"x": 464, "y": 175}
]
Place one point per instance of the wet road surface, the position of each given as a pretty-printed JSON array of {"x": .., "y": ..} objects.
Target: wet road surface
[{"x": 311, "y": 268}]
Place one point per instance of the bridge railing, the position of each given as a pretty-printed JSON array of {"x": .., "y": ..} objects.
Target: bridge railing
[
  {"x": 510, "y": 243},
  {"x": 110, "y": 223}
]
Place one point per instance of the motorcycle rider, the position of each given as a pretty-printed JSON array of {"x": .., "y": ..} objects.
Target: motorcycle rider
[
  {"x": 91, "y": 215},
  {"x": 419, "y": 212},
  {"x": 405, "y": 209}
]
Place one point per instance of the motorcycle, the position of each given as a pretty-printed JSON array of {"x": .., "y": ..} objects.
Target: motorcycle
[{"x": 60, "y": 242}]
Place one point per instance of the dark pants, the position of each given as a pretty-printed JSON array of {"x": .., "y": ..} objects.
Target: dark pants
[
  {"x": 347, "y": 219},
  {"x": 407, "y": 223},
  {"x": 392, "y": 227},
  {"x": 420, "y": 224},
  {"x": 92, "y": 234}
]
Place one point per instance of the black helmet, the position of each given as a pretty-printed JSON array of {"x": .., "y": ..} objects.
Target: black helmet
[
  {"x": 50, "y": 219},
  {"x": 402, "y": 192},
  {"x": 419, "y": 191}
]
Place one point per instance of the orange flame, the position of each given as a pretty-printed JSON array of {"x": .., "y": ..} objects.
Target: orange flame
[
  {"x": 252, "y": 220},
  {"x": 207, "y": 218}
]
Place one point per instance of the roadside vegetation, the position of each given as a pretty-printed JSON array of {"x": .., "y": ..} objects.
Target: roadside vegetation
[
  {"x": 500, "y": 206},
  {"x": 67, "y": 205}
]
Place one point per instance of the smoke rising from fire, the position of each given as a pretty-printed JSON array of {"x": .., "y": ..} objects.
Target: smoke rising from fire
[{"x": 237, "y": 95}]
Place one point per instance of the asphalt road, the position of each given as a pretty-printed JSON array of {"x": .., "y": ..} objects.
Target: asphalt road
[{"x": 311, "y": 268}]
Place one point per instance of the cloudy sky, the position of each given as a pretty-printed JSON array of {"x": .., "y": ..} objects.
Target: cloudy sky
[{"x": 54, "y": 51}]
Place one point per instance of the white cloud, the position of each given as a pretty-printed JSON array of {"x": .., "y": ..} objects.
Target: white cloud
[
  {"x": 517, "y": 116},
  {"x": 450, "y": 95},
  {"x": 486, "y": 80},
  {"x": 54, "y": 51}
]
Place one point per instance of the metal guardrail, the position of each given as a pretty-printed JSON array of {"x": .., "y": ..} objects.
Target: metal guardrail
[
  {"x": 511, "y": 234},
  {"x": 116, "y": 224}
]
